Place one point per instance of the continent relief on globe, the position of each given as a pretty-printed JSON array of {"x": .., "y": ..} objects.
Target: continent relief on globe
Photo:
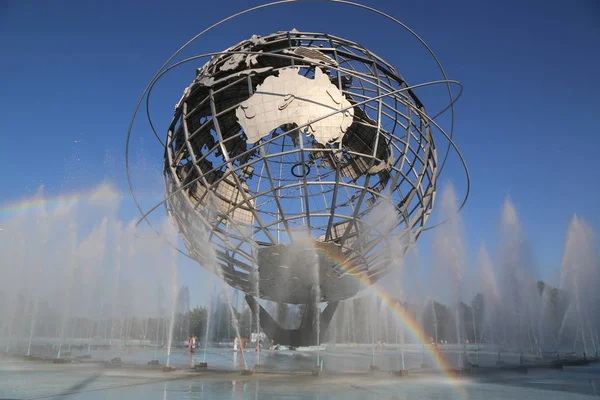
[{"x": 291, "y": 98}]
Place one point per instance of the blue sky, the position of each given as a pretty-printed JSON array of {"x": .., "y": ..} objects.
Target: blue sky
[{"x": 72, "y": 71}]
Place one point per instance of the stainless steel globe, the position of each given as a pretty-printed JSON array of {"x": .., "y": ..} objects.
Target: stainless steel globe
[{"x": 302, "y": 159}]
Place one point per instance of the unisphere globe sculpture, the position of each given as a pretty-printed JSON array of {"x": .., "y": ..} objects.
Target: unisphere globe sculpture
[{"x": 297, "y": 165}]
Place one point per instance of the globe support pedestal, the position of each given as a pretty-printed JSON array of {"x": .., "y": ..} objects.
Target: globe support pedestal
[{"x": 306, "y": 334}]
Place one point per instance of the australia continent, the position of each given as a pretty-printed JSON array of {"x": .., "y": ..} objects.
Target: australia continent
[{"x": 290, "y": 98}]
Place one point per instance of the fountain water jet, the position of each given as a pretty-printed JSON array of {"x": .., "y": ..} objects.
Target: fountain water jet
[
  {"x": 316, "y": 296},
  {"x": 42, "y": 233},
  {"x": 488, "y": 286},
  {"x": 450, "y": 260},
  {"x": 580, "y": 278},
  {"x": 12, "y": 276},
  {"x": 208, "y": 318},
  {"x": 518, "y": 285},
  {"x": 71, "y": 265},
  {"x": 172, "y": 259},
  {"x": 117, "y": 261},
  {"x": 256, "y": 277}
]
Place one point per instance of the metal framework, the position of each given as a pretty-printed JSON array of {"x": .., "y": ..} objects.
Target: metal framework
[{"x": 242, "y": 205}]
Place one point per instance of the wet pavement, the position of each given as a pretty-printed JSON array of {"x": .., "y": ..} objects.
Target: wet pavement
[{"x": 287, "y": 375}]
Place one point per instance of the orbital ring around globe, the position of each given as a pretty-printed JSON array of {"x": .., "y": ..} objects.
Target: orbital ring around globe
[
  {"x": 270, "y": 106},
  {"x": 275, "y": 3},
  {"x": 162, "y": 71},
  {"x": 146, "y": 214}
]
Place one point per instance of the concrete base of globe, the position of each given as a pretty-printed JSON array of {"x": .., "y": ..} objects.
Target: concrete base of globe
[
  {"x": 306, "y": 334},
  {"x": 168, "y": 369}
]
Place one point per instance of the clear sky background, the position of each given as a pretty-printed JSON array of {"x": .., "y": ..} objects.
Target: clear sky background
[{"x": 527, "y": 124}]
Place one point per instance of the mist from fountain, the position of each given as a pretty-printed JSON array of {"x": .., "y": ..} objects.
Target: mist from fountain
[
  {"x": 76, "y": 274},
  {"x": 64, "y": 274},
  {"x": 510, "y": 309}
]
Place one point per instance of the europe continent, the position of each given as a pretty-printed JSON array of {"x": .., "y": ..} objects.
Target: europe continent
[{"x": 291, "y": 98}]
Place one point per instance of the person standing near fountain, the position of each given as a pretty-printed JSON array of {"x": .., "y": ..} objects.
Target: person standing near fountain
[{"x": 235, "y": 344}]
